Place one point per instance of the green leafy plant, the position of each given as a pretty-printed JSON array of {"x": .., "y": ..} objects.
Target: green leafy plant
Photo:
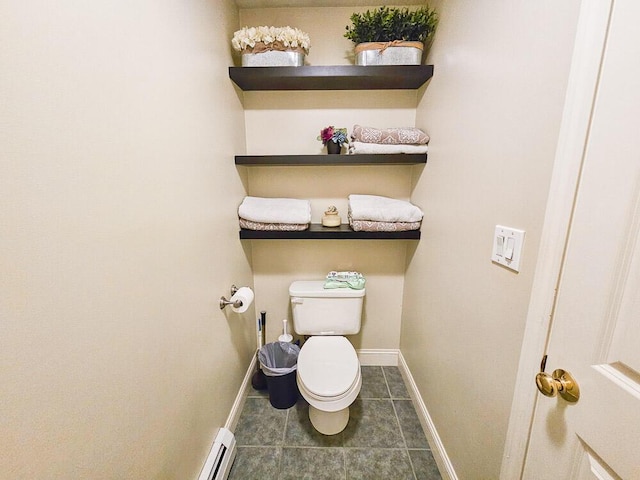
[{"x": 386, "y": 24}]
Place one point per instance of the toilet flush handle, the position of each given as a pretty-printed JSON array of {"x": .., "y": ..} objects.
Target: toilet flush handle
[{"x": 297, "y": 300}]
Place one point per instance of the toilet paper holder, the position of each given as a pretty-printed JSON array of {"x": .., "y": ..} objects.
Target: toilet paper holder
[{"x": 224, "y": 302}]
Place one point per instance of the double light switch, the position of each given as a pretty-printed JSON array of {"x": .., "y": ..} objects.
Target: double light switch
[{"x": 507, "y": 247}]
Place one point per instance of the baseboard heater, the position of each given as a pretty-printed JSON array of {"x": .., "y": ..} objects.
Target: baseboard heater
[{"x": 220, "y": 458}]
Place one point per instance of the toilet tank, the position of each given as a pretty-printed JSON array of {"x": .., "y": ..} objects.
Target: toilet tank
[{"x": 320, "y": 311}]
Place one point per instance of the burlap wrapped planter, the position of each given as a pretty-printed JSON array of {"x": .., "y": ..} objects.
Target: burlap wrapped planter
[
  {"x": 398, "y": 52},
  {"x": 272, "y": 55},
  {"x": 273, "y": 58}
]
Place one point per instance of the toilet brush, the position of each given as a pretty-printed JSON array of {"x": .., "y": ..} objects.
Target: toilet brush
[
  {"x": 258, "y": 380},
  {"x": 285, "y": 337}
]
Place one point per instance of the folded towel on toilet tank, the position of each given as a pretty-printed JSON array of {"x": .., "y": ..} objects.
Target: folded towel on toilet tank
[
  {"x": 382, "y": 209},
  {"x": 353, "y": 280},
  {"x": 275, "y": 210}
]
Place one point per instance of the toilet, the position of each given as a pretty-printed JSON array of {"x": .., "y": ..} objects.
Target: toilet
[{"x": 328, "y": 373}]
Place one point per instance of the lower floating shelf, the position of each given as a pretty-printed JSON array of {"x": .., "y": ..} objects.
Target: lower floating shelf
[{"x": 317, "y": 232}]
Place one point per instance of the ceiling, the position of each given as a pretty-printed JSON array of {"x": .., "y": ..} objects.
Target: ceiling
[{"x": 321, "y": 3}]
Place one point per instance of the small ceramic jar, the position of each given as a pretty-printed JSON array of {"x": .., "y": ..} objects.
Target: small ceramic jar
[{"x": 331, "y": 217}]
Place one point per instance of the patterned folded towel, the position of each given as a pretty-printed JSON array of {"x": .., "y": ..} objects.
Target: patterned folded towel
[
  {"x": 382, "y": 209},
  {"x": 271, "y": 227},
  {"x": 275, "y": 210},
  {"x": 391, "y": 136},
  {"x": 360, "y": 148},
  {"x": 371, "y": 226}
]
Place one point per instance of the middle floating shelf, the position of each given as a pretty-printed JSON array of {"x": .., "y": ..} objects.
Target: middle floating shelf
[{"x": 322, "y": 160}]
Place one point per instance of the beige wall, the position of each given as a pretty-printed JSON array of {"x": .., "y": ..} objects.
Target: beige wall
[
  {"x": 289, "y": 123},
  {"x": 118, "y": 235},
  {"x": 493, "y": 110},
  {"x": 117, "y": 210}
]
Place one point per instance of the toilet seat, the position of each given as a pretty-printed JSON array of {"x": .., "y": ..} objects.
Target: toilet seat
[{"x": 328, "y": 368}]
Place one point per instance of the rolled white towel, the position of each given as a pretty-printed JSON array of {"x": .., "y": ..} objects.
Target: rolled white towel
[
  {"x": 275, "y": 210},
  {"x": 383, "y": 209},
  {"x": 356, "y": 148}
]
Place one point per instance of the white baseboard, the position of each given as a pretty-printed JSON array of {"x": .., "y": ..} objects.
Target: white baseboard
[
  {"x": 437, "y": 448},
  {"x": 378, "y": 357},
  {"x": 238, "y": 403}
]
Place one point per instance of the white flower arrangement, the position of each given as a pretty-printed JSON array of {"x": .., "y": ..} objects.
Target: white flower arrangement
[{"x": 263, "y": 38}]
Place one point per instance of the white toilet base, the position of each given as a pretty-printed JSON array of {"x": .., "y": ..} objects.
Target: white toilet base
[{"x": 329, "y": 423}]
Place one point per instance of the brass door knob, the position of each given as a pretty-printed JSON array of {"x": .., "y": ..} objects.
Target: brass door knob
[{"x": 560, "y": 382}]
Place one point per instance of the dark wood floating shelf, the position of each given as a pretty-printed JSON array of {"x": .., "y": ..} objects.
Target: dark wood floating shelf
[
  {"x": 317, "y": 232},
  {"x": 320, "y": 160},
  {"x": 345, "y": 77}
]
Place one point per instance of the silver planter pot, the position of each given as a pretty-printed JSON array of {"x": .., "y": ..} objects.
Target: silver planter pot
[{"x": 392, "y": 55}]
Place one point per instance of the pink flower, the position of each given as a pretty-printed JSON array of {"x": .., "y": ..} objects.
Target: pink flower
[{"x": 326, "y": 134}]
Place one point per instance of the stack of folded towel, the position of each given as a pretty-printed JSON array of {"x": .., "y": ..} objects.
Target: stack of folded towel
[
  {"x": 371, "y": 213},
  {"x": 284, "y": 214},
  {"x": 387, "y": 140},
  {"x": 353, "y": 280}
]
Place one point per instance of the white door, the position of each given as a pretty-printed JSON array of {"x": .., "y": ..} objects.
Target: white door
[{"x": 595, "y": 333}]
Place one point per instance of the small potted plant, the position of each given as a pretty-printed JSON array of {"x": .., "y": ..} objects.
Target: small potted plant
[
  {"x": 391, "y": 36},
  {"x": 271, "y": 46},
  {"x": 334, "y": 138}
]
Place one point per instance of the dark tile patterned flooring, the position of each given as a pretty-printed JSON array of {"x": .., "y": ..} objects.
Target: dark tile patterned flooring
[{"x": 383, "y": 440}]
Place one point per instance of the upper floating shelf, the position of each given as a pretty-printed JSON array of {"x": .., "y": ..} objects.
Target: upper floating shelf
[
  {"x": 346, "y": 77},
  {"x": 326, "y": 160}
]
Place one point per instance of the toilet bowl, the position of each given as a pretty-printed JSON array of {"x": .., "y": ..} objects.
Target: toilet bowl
[
  {"x": 329, "y": 379},
  {"x": 328, "y": 371}
]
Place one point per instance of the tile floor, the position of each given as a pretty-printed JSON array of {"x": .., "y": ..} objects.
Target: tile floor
[{"x": 383, "y": 440}]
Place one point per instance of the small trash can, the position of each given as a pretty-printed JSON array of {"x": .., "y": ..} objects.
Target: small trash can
[{"x": 279, "y": 362}]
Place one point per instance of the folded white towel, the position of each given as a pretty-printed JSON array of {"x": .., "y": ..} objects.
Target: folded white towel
[
  {"x": 383, "y": 209},
  {"x": 356, "y": 148},
  {"x": 275, "y": 210}
]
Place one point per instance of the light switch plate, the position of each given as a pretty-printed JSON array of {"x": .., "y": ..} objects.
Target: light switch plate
[{"x": 503, "y": 239}]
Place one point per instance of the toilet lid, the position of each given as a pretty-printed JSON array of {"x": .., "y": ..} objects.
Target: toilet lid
[{"x": 328, "y": 365}]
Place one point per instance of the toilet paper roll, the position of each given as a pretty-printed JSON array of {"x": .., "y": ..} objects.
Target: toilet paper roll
[{"x": 245, "y": 295}]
